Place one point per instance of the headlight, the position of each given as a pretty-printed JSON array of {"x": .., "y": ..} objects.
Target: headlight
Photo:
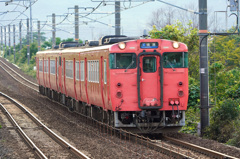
[
  {"x": 122, "y": 45},
  {"x": 175, "y": 45}
]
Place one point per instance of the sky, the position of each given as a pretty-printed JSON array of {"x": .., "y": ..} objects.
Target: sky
[{"x": 135, "y": 16}]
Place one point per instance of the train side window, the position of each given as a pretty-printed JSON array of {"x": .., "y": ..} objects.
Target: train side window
[
  {"x": 60, "y": 60},
  {"x": 82, "y": 70},
  {"x": 97, "y": 71},
  {"x": 175, "y": 60},
  {"x": 77, "y": 70},
  {"x": 149, "y": 64},
  {"x": 57, "y": 66},
  {"x": 69, "y": 69},
  {"x": 46, "y": 66},
  {"x": 88, "y": 68},
  {"x": 52, "y": 67},
  {"x": 94, "y": 71},
  {"x": 105, "y": 71},
  {"x": 40, "y": 65},
  {"x": 63, "y": 69}
]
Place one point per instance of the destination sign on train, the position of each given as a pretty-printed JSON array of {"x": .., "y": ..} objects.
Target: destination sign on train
[{"x": 149, "y": 45}]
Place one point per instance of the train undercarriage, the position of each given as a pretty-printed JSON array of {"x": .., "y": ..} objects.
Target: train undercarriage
[{"x": 143, "y": 122}]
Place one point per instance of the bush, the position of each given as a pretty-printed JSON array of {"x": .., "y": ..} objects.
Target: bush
[
  {"x": 223, "y": 117},
  {"x": 235, "y": 141},
  {"x": 194, "y": 93},
  {"x": 192, "y": 119}
]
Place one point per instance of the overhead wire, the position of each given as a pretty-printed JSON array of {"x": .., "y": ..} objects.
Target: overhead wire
[{"x": 22, "y": 13}]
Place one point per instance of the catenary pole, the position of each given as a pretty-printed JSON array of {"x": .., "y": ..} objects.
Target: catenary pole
[
  {"x": 117, "y": 18},
  {"x": 39, "y": 37},
  {"x": 5, "y": 39},
  {"x": 76, "y": 24},
  {"x": 9, "y": 39},
  {"x": 14, "y": 51},
  {"x": 20, "y": 35},
  {"x": 53, "y": 30},
  {"x": 1, "y": 39},
  {"x": 204, "y": 84},
  {"x": 28, "y": 47},
  {"x": 31, "y": 33}
]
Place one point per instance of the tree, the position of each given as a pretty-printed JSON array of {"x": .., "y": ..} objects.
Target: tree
[{"x": 187, "y": 35}]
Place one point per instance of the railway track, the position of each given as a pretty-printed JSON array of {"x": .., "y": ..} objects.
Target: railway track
[
  {"x": 36, "y": 133},
  {"x": 170, "y": 147},
  {"x": 179, "y": 149},
  {"x": 197, "y": 151},
  {"x": 18, "y": 77}
]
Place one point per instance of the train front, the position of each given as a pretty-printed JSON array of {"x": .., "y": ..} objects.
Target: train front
[{"x": 149, "y": 85}]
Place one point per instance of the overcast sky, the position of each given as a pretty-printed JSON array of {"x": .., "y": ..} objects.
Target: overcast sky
[{"x": 133, "y": 20}]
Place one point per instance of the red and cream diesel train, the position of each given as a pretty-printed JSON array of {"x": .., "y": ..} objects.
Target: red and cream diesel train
[{"x": 140, "y": 85}]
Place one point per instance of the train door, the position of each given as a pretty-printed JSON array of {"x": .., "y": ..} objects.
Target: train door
[
  {"x": 56, "y": 71},
  {"x": 74, "y": 78},
  {"x": 86, "y": 79},
  {"x": 49, "y": 82},
  {"x": 60, "y": 73},
  {"x": 102, "y": 80},
  {"x": 149, "y": 81}
]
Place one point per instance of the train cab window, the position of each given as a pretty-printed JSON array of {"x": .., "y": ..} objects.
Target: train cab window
[
  {"x": 40, "y": 65},
  {"x": 122, "y": 61},
  {"x": 149, "y": 64},
  {"x": 175, "y": 60}
]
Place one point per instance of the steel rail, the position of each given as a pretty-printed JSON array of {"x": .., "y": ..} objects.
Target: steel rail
[
  {"x": 19, "y": 74},
  {"x": 29, "y": 142},
  {"x": 18, "y": 80},
  {"x": 154, "y": 145},
  {"x": 48, "y": 131},
  {"x": 200, "y": 149}
]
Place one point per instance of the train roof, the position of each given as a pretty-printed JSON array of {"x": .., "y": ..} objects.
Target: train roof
[{"x": 75, "y": 49}]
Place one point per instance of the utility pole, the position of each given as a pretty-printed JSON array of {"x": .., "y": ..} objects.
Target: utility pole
[
  {"x": 5, "y": 30},
  {"x": 53, "y": 30},
  {"x": 39, "y": 36},
  {"x": 203, "y": 44},
  {"x": 76, "y": 24},
  {"x": 9, "y": 42},
  {"x": 14, "y": 42},
  {"x": 20, "y": 34},
  {"x": 117, "y": 18},
  {"x": 1, "y": 39},
  {"x": 28, "y": 47},
  {"x": 31, "y": 33}
]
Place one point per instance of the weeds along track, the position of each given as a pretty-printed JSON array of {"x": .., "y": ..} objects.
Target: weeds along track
[{"x": 36, "y": 133}]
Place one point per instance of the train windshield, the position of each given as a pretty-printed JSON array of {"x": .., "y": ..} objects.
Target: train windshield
[
  {"x": 175, "y": 60},
  {"x": 122, "y": 61}
]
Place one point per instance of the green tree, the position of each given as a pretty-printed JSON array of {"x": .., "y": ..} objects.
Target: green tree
[{"x": 187, "y": 35}]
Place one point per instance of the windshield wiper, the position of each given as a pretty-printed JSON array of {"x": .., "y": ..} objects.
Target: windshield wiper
[
  {"x": 129, "y": 66},
  {"x": 170, "y": 65}
]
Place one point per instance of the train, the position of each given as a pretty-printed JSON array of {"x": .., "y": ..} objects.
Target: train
[{"x": 136, "y": 84}]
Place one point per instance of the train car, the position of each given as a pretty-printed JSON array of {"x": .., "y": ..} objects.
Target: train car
[{"x": 140, "y": 85}]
